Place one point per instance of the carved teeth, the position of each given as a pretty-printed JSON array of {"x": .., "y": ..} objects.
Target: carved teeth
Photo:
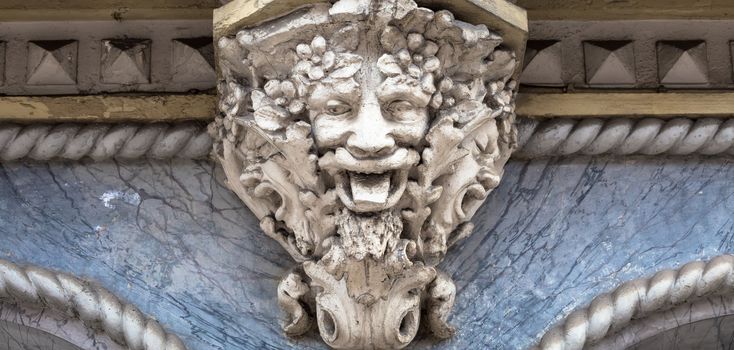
[{"x": 370, "y": 188}]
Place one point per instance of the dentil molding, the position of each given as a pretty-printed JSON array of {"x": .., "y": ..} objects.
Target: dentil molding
[{"x": 364, "y": 135}]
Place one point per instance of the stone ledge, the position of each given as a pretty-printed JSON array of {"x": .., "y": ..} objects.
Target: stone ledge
[
  {"x": 663, "y": 105},
  {"x": 108, "y": 108},
  {"x": 170, "y": 108}
]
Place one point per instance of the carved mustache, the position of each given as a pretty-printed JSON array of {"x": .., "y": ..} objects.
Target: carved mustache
[{"x": 341, "y": 159}]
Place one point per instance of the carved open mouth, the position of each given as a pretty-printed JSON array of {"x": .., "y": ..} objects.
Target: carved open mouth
[
  {"x": 365, "y": 192},
  {"x": 369, "y": 184}
]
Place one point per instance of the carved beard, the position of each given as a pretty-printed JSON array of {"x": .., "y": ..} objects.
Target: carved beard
[{"x": 370, "y": 234}]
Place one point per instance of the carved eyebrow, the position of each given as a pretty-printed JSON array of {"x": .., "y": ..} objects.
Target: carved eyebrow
[
  {"x": 325, "y": 93},
  {"x": 389, "y": 92}
]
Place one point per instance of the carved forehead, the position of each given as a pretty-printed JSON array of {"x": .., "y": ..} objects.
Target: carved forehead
[{"x": 368, "y": 29}]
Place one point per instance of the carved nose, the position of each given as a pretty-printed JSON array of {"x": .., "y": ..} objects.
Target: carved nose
[
  {"x": 363, "y": 143},
  {"x": 370, "y": 132}
]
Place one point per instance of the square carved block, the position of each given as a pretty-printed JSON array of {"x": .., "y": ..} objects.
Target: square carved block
[
  {"x": 543, "y": 64},
  {"x": 610, "y": 63},
  {"x": 682, "y": 62},
  {"x": 125, "y": 61},
  {"x": 52, "y": 62},
  {"x": 193, "y": 60}
]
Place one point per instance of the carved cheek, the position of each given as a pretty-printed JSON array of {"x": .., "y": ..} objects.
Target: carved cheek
[
  {"x": 412, "y": 128},
  {"x": 330, "y": 132}
]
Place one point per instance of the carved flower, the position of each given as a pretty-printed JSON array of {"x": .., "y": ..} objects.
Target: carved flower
[{"x": 269, "y": 115}]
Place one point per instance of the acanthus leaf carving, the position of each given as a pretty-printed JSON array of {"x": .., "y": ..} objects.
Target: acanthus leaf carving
[{"x": 365, "y": 135}]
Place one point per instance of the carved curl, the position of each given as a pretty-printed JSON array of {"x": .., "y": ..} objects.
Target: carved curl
[
  {"x": 365, "y": 135},
  {"x": 291, "y": 292},
  {"x": 463, "y": 69}
]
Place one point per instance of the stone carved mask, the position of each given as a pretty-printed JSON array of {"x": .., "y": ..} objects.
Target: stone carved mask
[{"x": 365, "y": 135}]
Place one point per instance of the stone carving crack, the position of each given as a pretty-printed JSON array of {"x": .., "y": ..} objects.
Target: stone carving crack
[{"x": 365, "y": 135}]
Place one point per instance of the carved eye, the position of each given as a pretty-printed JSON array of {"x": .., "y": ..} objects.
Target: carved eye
[
  {"x": 336, "y": 107},
  {"x": 400, "y": 106}
]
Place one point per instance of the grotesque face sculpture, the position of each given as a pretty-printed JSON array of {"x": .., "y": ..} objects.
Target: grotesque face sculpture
[
  {"x": 373, "y": 130},
  {"x": 364, "y": 135}
]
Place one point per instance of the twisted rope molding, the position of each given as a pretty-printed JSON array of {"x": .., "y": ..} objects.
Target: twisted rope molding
[
  {"x": 625, "y": 136},
  {"x": 610, "y": 312},
  {"x": 97, "y": 308},
  {"x": 537, "y": 139},
  {"x": 73, "y": 141}
]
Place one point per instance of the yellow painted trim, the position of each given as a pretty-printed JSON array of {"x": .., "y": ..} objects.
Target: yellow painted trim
[
  {"x": 661, "y": 105},
  {"x": 112, "y": 108},
  {"x": 174, "y": 108}
]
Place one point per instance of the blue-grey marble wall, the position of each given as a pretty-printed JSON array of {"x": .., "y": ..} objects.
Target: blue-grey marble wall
[{"x": 169, "y": 237}]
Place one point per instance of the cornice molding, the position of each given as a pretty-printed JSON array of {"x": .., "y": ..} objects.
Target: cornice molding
[
  {"x": 610, "y": 104},
  {"x": 101, "y": 10},
  {"x": 558, "y": 137},
  {"x": 103, "y": 141},
  {"x": 537, "y": 138},
  {"x": 95, "y": 57},
  {"x": 566, "y": 10},
  {"x": 108, "y": 108},
  {"x": 652, "y": 55},
  {"x": 202, "y": 107},
  {"x": 100, "y": 310}
]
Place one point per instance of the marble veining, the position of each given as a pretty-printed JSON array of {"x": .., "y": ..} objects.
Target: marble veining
[
  {"x": 14, "y": 336},
  {"x": 169, "y": 237},
  {"x": 707, "y": 324},
  {"x": 32, "y": 328}
]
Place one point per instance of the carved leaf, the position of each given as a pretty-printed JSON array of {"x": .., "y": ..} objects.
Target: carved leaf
[
  {"x": 441, "y": 295},
  {"x": 443, "y": 139},
  {"x": 296, "y": 157},
  {"x": 320, "y": 214},
  {"x": 291, "y": 290}
]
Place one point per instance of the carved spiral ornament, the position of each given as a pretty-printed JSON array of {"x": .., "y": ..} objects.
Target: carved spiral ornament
[
  {"x": 365, "y": 134},
  {"x": 536, "y": 139},
  {"x": 100, "y": 141},
  {"x": 97, "y": 308},
  {"x": 610, "y": 312},
  {"x": 625, "y": 136}
]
